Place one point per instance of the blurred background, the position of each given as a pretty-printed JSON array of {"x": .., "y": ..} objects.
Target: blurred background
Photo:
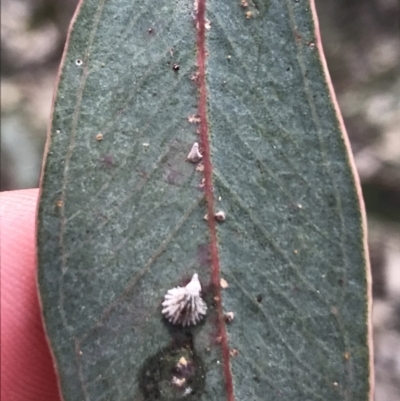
[{"x": 361, "y": 39}]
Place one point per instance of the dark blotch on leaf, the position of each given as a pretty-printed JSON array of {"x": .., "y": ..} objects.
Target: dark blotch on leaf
[
  {"x": 173, "y": 177},
  {"x": 107, "y": 161},
  {"x": 174, "y": 373},
  {"x": 259, "y": 298},
  {"x": 203, "y": 255}
]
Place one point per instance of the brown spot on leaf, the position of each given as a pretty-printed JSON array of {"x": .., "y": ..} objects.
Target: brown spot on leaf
[
  {"x": 233, "y": 352},
  {"x": 195, "y": 76},
  {"x": 200, "y": 167},
  {"x": 298, "y": 37},
  {"x": 223, "y": 283},
  {"x": 229, "y": 316},
  {"x": 220, "y": 216},
  {"x": 194, "y": 119},
  {"x": 202, "y": 183},
  {"x": 182, "y": 362}
]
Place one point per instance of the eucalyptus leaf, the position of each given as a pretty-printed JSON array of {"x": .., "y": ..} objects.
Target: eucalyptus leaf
[{"x": 124, "y": 216}]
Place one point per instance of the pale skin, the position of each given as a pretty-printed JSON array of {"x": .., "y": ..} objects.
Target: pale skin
[{"x": 27, "y": 370}]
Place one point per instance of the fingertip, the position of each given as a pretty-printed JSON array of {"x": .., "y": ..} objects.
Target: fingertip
[{"x": 27, "y": 370}]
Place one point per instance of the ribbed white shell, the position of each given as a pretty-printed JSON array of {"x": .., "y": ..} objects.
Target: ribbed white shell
[{"x": 184, "y": 305}]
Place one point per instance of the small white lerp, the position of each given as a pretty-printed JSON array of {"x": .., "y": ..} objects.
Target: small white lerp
[
  {"x": 194, "y": 155},
  {"x": 184, "y": 305}
]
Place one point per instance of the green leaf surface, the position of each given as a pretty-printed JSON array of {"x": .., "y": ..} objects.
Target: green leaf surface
[{"x": 121, "y": 217}]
